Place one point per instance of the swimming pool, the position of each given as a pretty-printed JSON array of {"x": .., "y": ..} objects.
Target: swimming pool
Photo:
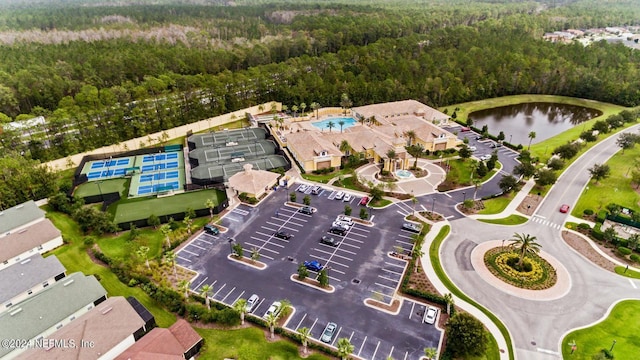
[{"x": 324, "y": 124}]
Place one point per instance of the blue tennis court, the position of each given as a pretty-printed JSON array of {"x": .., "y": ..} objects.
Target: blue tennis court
[
  {"x": 105, "y": 174},
  {"x": 159, "y": 176},
  {"x": 162, "y": 166},
  {"x": 109, "y": 163},
  {"x": 160, "y": 157},
  {"x": 149, "y": 189}
]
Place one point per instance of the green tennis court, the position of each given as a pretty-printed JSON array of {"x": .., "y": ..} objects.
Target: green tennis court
[{"x": 98, "y": 187}]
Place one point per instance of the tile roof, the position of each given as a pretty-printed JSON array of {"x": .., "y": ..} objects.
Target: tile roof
[
  {"x": 19, "y": 215},
  {"x": 252, "y": 181},
  {"x": 163, "y": 344},
  {"x": 28, "y": 238},
  {"x": 106, "y": 326},
  {"x": 28, "y": 273},
  {"x": 383, "y": 111}
]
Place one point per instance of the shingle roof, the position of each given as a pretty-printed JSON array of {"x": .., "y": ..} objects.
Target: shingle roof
[
  {"x": 106, "y": 325},
  {"x": 400, "y": 108},
  {"x": 18, "y": 216},
  {"x": 252, "y": 181},
  {"x": 30, "y": 272},
  {"x": 28, "y": 319},
  {"x": 26, "y": 239},
  {"x": 163, "y": 344}
]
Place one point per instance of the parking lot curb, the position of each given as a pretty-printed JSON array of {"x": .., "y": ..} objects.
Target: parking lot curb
[
  {"x": 255, "y": 266},
  {"x": 331, "y": 289},
  {"x": 377, "y": 308}
]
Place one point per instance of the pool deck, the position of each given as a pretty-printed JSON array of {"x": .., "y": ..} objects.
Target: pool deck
[{"x": 417, "y": 186}]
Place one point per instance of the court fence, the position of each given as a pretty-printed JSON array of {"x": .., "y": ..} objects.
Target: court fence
[{"x": 140, "y": 223}]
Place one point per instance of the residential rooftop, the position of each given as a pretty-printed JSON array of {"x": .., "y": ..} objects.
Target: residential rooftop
[
  {"x": 30, "y": 272},
  {"x": 19, "y": 215},
  {"x": 27, "y": 239},
  {"x": 165, "y": 344}
]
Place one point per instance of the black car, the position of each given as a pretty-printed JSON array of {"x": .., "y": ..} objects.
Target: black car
[
  {"x": 329, "y": 241},
  {"x": 211, "y": 230},
  {"x": 338, "y": 230},
  {"x": 496, "y": 145},
  {"x": 411, "y": 227},
  {"x": 306, "y": 210},
  {"x": 282, "y": 235}
]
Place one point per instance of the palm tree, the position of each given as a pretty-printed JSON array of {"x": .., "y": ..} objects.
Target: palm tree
[
  {"x": 414, "y": 201},
  {"x": 183, "y": 285},
  {"x": 142, "y": 252},
  {"x": 314, "y": 107},
  {"x": 341, "y": 123},
  {"x": 345, "y": 103},
  {"x": 477, "y": 183},
  {"x": 304, "y": 334},
  {"x": 430, "y": 353},
  {"x": 331, "y": 125},
  {"x": 415, "y": 151},
  {"x": 524, "y": 243},
  {"x": 411, "y": 135},
  {"x": 633, "y": 241},
  {"x": 204, "y": 291},
  {"x": 255, "y": 254},
  {"x": 170, "y": 257},
  {"x": 302, "y": 107},
  {"x": 241, "y": 307},
  {"x": 344, "y": 348},
  {"x": 295, "y": 108},
  {"x": 211, "y": 205},
  {"x": 345, "y": 147},
  {"x": 188, "y": 222},
  {"x": 391, "y": 155},
  {"x": 166, "y": 230},
  {"x": 448, "y": 298},
  {"x": 532, "y": 135},
  {"x": 271, "y": 320}
]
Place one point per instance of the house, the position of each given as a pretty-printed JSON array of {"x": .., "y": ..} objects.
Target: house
[
  {"x": 102, "y": 333},
  {"x": 19, "y": 217},
  {"x": 33, "y": 236},
  {"x": 253, "y": 182},
  {"x": 27, "y": 278},
  {"x": 40, "y": 316},
  {"x": 178, "y": 342}
]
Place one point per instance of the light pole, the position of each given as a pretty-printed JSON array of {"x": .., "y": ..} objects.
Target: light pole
[
  {"x": 231, "y": 245},
  {"x": 433, "y": 204},
  {"x": 612, "y": 345},
  {"x": 464, "y": 196},
  {"x": 502, "y": 244},
  {"x": 510, "y": 136},
  {"x": 369, "y": 207}
]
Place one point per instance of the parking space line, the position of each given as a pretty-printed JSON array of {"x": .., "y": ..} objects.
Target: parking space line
[
  {"x": 375, "y": 351},
  {"x": 265, "y": 242},
  {"x": 192, "y": 253},
  {"x": 286, "y": 223},
  {"x": 413, "y": 305},
  {"x": 362, "y": 229},
  {"x": 402, "y": 213},
  {"x": 385, "y": 286},
  {"x": 391, "y": 352},
  {"x": 350, "y": 245},
  {"x": 361, "y": 346},
  {"x": 327, "y": 261},
  {"x": 229, "y": 293},
  {"x": 180, "y": 257},
  {"x": 260, "y": 303},
  {"x": 222, "y": 287},
  {"x": 264, "y": 248},
  {"x": 391, "y": 271},
  {"x": 199, "y": 247},
  {"x": 312, "y": 325},
  {"x": 404, "y": 236},
  {"x": 238, "y": 298},
  {"x": 337, "y": 335},
  {"x": 336, "y": 270},
  {"x": 378, "y": 293},
  {"x": 350, "y": 337},
  {"x": 200, "y": 283},
  {"x": 356, "y": 234},
  {"x": 347, "y": 251},
  {"x": 301, "y": 320},
  {"x": 405, "y": 355},
  {"x": 404, "y": 242},
  {"x": 208, "y": 242},
  {"x": 390, "y": 279},
  {"x": 395, "y": 265},
  {"x": 334, "y": 254},
  {"x": 266, "y": 256}
]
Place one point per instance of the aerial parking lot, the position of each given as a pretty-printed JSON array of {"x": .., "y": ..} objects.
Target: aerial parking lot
[{"x": 356, "y": 260}]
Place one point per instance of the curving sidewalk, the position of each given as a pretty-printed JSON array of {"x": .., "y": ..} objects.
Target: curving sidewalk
[
  {"x": 513, "y": 204},
  {"x": 435, "y": 280}
]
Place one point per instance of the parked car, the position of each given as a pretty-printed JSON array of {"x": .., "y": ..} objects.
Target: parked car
[
  {"x": 345, "y": 219},
  {"x": 564, "y": 208},
  {"x": 473, "y": 148},
  {"x": 464, "y": 129},
  {"x": 316, "y": 190},
  {"x": 411, "y": 227},
  {"x": 329, "y": 240},
  {"x": 273, "y": 309},
  {"x": 340, "y": 224},
  {"x": 282, "y": 235},
  {"x": 252, "y": 302},
  {"x": 211, "y": 230},
  {"x": 479, "y": 137},
  {"x": 430, "y": 315},
  {"x": 302, "y": 188},
  {"x": 306, "y": 210},
  {"x": 328, "y": 333},
  {"x": 485, "y": 157},
  {"x": 364, "y": 201},
  {"x": 339, "y": 195},
  {"x": 495, "y": 145},
  {"x": 346, "y": 197},
  {"x": 338, "y": 230},
  {"x": 313, "y": 265}
]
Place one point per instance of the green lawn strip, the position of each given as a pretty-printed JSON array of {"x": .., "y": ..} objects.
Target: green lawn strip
[
  {"x": 616, "y": 188},
  {"x": 324, "y": 178},
  {"x": 380, "y": 203},
  {"x": 437, "y": 266},
  {"x": 512, "y": 219},
  {"x": 622, "y": 270},
  {"x": 617, "y": 326},
  {"x": 349, "y": 183},
  {"x": 140, "y": 208},
  {"x": 460, "y": 172},
  {"x": 247, "y": 344},
  {"x": 496, "y": 205},
  {"x": 74, "y": 258},
  {"x": 105, "y": 186}
]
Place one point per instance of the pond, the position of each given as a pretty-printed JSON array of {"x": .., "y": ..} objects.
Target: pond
[{"x": 518, "y": 120}]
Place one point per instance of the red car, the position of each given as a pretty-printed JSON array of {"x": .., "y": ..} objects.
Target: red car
[
  {"x": 564, "y": 208},
  {"x": 364, "y": 201},
  {"x": 464, "y": 128}
]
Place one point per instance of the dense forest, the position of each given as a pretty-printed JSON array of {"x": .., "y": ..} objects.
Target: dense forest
[{"x": 134, "y": 67}]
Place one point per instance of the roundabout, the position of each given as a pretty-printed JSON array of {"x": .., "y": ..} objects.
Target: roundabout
[{"x": 558, "y": 290}]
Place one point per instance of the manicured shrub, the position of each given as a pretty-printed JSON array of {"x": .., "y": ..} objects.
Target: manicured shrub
[
  {"x": 635, "y": 258},
  {"x": 583, "y": 226},
  {"x": 624, "y": 251},
  {"x": 587, "y": 212}
]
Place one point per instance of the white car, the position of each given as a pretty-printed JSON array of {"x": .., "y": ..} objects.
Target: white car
[
  {"x": 340, "y": 224},
  {"x": 302, "y": 188},
  {"x": 273, "y": 309},
  {"x": 252, "y": 302},
  {"x": 472, "y": 148},
  {"x": 346, "y": 198},
  {"x": 485, "y": 157},
  {"x": 430, "y": 315},
  {"x": 339, "y": 195},
  {"x": 345, "y": 219}
]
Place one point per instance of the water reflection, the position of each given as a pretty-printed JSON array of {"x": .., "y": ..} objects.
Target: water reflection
[{"x": 546, "y": 119}]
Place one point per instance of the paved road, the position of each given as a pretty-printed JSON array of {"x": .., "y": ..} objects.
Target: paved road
[{"x": 537, "y": 327}]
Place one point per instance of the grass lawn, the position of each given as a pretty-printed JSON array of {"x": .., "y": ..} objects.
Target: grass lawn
[
  {"x": 496, "y": 205},
  {"x": 106, "y": 186},
  {"x": 617, "y": 326},
  {"x": 460, "y": 172},
  {"x": 620, "y": 270},
  {"x": 348, "y": 183},
  {"x": 324, "y": 178},
  {"x": 141, "y": 208},
  {"x": 437, "y": 266},
  {"x": 247, "y": 344},
  {"x": 74, "y": 258},
  {"x": 509, "y": 220},
  {"x": 614, "y": 189},
  {"x": 380, "y": 203}
]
